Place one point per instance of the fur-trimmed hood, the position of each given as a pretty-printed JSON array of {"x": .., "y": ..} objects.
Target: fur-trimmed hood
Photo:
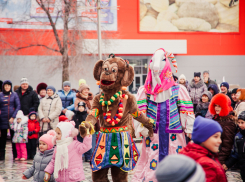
[
  {"x": 197, "y": 85},
  {"x": 214, "y": 88},
  {"x": 224, "y": 102}
]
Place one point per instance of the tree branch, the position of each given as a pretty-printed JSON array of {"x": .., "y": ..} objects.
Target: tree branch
[{"x": 52, "y": 25}]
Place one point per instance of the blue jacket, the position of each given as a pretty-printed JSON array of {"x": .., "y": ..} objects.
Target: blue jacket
[
  {"x": 67, "y": 101},
  {"x": 9, "y": 106}
]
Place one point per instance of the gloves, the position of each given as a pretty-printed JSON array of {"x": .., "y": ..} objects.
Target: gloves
[
  {"x": 31, "y": 133},
  {"x": 24, "y": 177}
]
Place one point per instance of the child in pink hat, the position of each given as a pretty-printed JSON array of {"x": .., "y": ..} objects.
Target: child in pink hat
[
  {"x": 42, "y": 158},
  {"x": 66, "y": 164}
]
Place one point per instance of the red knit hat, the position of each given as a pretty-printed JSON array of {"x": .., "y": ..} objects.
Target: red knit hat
[
  {"x": 62, "y": 118},
  {"x": 223, "y": 101}
]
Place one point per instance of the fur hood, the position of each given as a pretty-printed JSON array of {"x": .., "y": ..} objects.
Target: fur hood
[
  {"x": 90, "y": 96},
  {"x": 197, "y": 85},
  {"x": 224, "y": 102}
]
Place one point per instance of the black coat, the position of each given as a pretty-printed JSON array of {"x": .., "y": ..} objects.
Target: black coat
[
  {"x": 29, "y": 101},
  {"x": 79, "y": 117}
]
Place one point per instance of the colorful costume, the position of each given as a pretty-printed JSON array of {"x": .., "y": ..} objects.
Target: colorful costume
[
  {"x": 115, "y": 147},
  {"x": 170, "y": 106}
]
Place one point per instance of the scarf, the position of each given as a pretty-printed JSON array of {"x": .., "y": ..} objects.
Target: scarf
[
  {"x": 61, "y": 156},
  {"x": 166, "y": 76}
]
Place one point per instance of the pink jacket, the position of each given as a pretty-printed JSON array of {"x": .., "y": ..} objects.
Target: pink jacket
[{"x": 75, "y": 166}]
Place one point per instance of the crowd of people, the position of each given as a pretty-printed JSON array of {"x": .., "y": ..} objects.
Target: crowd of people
[{"x": 46, "y": 118}]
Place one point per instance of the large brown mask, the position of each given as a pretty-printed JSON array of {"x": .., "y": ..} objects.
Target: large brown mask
[{"x": 113, "y": 73}]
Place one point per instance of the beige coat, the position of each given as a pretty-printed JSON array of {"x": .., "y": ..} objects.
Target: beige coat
[
  {"x": 50, "y": 107},
  {"x": 240, "y": 107}
]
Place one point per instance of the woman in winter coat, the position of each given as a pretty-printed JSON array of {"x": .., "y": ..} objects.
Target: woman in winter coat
[
  {"x": 204, "y": 148},
  {"x": 196, "y": 88},
  {"x": 220, "y": 107},
  {"x": 41, "y": 159},
  {"x": 49, "y": 110},
  {"x": 240, "y": 106},
  {"x": 84, "y": 96},
  {"x": 202, "y": 107},
  {"x": 213, "y": 89},
  {"x": 9, "y": 106}
]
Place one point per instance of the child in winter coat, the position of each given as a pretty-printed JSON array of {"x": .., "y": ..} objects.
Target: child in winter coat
[
  {"x": 182, "y": 80},
  {"x": 66, "y": 163},
  {"x": 204, "y": 148},
  {"x": 41, "y": 159},
  {"x": 33, "y": 129},
  {"x": 238, "y": 154},
  {"x": 220, "y": 107},
  {"x": 80, "y": 116},
  {"x": 202, "y": 107},
  {"x": 20, "y": 135}
]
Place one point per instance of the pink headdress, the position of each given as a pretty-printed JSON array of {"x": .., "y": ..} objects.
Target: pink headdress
[{"x": 166, "y": 76}]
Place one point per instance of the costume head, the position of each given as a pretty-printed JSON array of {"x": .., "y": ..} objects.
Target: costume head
[
  {"x": 166, "y": 79},
  {"x": 113, "y": 73}
]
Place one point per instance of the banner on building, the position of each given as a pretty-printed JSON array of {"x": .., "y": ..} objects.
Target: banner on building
[
  {"x": 28, "y": 14},
  {"x": 189, "y": 15}
]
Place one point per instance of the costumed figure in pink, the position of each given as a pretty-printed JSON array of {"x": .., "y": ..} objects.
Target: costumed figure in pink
[{"x": 170, "y": 106}]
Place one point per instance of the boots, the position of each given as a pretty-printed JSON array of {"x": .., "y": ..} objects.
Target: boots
[{"x": 2, "y": 155}]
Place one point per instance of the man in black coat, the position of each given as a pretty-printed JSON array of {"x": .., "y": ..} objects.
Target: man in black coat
[{"x": 29, "y": 100}]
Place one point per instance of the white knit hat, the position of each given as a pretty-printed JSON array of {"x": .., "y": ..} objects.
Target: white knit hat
[
  {"x": 24, "y": 80},
  {"x": 66, "y": 129},
  {"x": 182, "y": 76}
]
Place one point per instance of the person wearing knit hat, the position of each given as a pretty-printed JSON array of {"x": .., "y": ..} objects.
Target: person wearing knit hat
[
  {"x": 29, "y": 100},
  {"x": 42, "y": 158},
  {"x": 81, "y": 81},
  {"x": 240, "y": 106},
  {"x": 182, "y": 80},
  {"x": 33, "y": 130},
  {"x": 224, "y": 89},
  {"x": 68, "y": 153},
  {"x": 220, "y": 107},
  {"x": 207, "y": 80},
  {"x": 51, "y": 88},
  {"x": 186, "y": 170},
  {"x": 206, "y": 139},
  {"x": 234, "y": 99},
  {"x": 68, "y": 96},
  {"x": 196, "y": 88},
  {"x": 238, "y": 153},
  {"x": 84, "y": 95},
  {"x": 202, "y": 107}
]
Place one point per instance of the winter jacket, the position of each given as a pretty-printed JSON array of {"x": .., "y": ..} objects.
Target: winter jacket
[
  {"x": 210, "y": 82},
  {"x": 238, "y": 152},
  {"x": 214, "y": 87},
  {"x": 88, "y": 101},
  {"x": 75, "y": 166},
  {"x": 202, "y": 108},
  {"x": 29, "y": 101},
  {"x": 229, "y": 129},
  {"x": 196, "y": 90},
  {"x": 40, "y": 162},
  {"x": 50, "y": 107},
  {"x": 20, "y": 134},
  {"x": 67, "y": 100},
  {"x": 33, "y": 129},
  {"x": 240, "y": 107},
  {"x": 9, "y": 106},
  {"x": 79, "y": 117},
  {"x": 208, "y": 160}
]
